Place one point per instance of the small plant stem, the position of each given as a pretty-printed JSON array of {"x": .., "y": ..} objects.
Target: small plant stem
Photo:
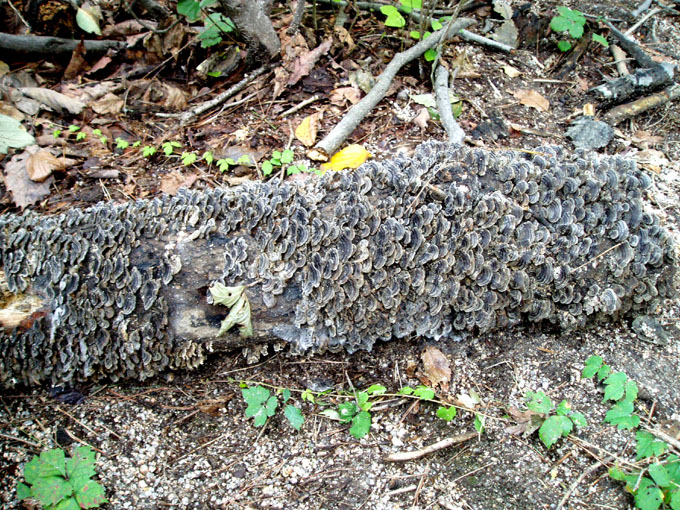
[{"x": 299, "y": 106}]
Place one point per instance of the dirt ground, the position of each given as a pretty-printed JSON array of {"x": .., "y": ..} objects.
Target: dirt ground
[{"x": 182, "y": 440}]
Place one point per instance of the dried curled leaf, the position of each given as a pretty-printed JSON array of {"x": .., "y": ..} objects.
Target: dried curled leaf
[{"x": 40, "y": 165}]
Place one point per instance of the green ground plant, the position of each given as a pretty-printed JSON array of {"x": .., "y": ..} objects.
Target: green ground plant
[
  {"x": 558, "y": 421},
  {"x": 60, "y": 483},
  {"x": 572, "y": 23},
  {"x": 354, "y": 409},
  {"x": 657, "y": 484},
  {"x": 215, "y": 24}
]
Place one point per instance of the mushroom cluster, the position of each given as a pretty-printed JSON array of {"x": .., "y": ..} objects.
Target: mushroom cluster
[{"x": 451, "y": 239}]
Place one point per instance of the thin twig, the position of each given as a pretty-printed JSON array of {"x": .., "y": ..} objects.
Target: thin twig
[
  {"x": 356, "y": 114},
  {"x": 439, "y": 445},
  {"x": 576, "y": 483},
  {"x": 299, "y": 106}
]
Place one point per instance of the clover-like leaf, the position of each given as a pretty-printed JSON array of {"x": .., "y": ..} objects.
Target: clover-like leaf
[{"x": 294, "y": 416}]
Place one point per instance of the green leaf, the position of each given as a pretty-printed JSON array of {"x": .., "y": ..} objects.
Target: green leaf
[
  {"x": 409, "y": 5},
  {"x": 436, "y": 24},
  {"x": 267, "y": 168},
  {"x": 414, "y": 34},
  {"x": 394, "y": 17},
  {"x": 216, "y": 25},
  {"x": 73, "y": 128},
  {"x": 631, "y": 390},
  {"x": 615, "y": 386},
  {"x": 405, "y": 390},
  {"x": 576, "y": 31},
  {"x": 12, "y": 134},
  {"x": 294, "y": 416},
  {"x": 32, "y": 470},
  {"x": 602, "y": 40},
  {"x": 361, "y": 424},
  {"x": 50, "y": 490},
  {"x": 648, "y": 496},
  {"x": 287, "y": 156},
  {"x": 81, "y": 465},
  {"x": 616, "y": 473},
  {"x": 675, "y": 499},
  {"x": 659, "y": 474},
  {"x": 446, "y": 414},
  {"x": 564, "y": 46},
  {"x": 563, "y": 408},
  {"x": 56, "y": 133},
  {"x": 189, "y": 8},
  {"x": 257, "y": 395},
  {"x": 293, "y": 170},
  {"x": 23, "y": 491},
  {"x": 423, "y": 392},
  {"x": 648, "y": 445},
  {"x": 89, "y": 494},
  {"x": 430, "y": 55},
  {"x": 347, "y": 411},
  {"x": 260, "y": 404},
  {"x": 227, "y": 296},
  {"x": 308, "y": 396},
  {"x": 376, "y": 389},
  {"x": 553, "y": 428},
  {"x": 148, "y": 151},
  {"x": 578, "y": 419},
  {"x": 244, "y": 160},
  {"x": 53, "y": 462},
  {"x": 621, "y": 415},
  {"x": 673, "y": 468},
  {"x": 560, "y": 24},
  {"x": 604, "y": 372},
  {"x": 285, "y": 394},
  {"x": 81, "y": 136},
  {"x": 189, "y": 158},
  {"x": 121, "y": 144},
  {"x": 87, "y": 21},
  {"x": 592, "y": 365},
  {"x": 207, "y": 3},
  {"x": 208, "y": 157},
  {"x": 68, "y": 504},
  {"x": 362, "y": 400},
  {"x": 538, "y": 402},
  {"x": 169, "y": 147},
  {"x": 97, "y": 132},
  {"x": 479, "y": 423}
]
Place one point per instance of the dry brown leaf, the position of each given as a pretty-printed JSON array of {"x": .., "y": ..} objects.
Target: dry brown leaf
[
  {"x": 77, "y": 63},
  {"x": 174, "y": 99},
  {"x": 651, "y": 159},
  {"x": 128, "y": 27},
  {"x": 55, "y": 100},
  {"x": 512, "y": 72},
  {"x": 40, "y": 165},
  {"x": 10, "y": 111},
  {"x": 342, "y": 95},
  {"x": 422, "y": 118},
  {"x": 643, "y": 139},
  {"x": 171, "y": 183},
  {"x": 110, "y": 104},
  {"x": 345, "y": 38},
  {"x": 100, "y": 64},
  {"x": 306, "y": 131},
  {"x": 532, "y": 99},
  {"x": 436, "y": 367},
  {"x": 527, "y": 421},
  {"x": 24, "y": 191},
  {"x": 304, "y": 63}
]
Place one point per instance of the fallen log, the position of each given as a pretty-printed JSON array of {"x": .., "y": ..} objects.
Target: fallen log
[{"x": 454, "y": 239}]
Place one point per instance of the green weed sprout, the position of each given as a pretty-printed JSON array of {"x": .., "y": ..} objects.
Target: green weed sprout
[
  {"x": 572, "y": 22},
  {"x": 555, "y": 425},
  {"x": 59, "y": 483}
]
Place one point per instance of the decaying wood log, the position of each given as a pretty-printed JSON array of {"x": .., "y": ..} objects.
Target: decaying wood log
[{"x": 454, "y": 239}]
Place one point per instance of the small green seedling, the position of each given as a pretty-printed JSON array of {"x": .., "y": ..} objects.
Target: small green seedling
[
  {"x": 169, "y": 147},
  {"x": 278, "y": 159},
  {"x": 572, "y": 23},
  {"x": 56, "y": 133},
  {"x": 262, "y": 405},
  {"x": 58, "y": 483},
  {"x": 557, "y": 425},
  {"x": 98, "y": 133},
  {"x": 208, "y": 157},
  {"x": 148, "y": 151},
  {"x": 189, "y": 158},
  {"x": 121, "y": 143}
]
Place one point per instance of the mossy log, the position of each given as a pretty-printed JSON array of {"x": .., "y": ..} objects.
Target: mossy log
[{"x": 451, "y": 240}]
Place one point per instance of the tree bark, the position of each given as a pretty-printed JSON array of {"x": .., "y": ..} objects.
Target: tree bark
[{"x": 53, "y": 45}]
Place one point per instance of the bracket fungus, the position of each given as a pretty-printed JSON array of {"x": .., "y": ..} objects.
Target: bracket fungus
[{"x": 453, "y": 239}]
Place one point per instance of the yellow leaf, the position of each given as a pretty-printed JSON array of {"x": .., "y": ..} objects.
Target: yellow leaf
[
  {"x": 306, "y": 131},
  {"x": 351, "y": 156}
]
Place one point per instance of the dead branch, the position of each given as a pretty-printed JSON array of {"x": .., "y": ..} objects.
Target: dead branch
[
  {"x": 641, "y": 81},
  {"x": 190, "y": 115},
  {"x": 439, "y": 445},
  {"x": 453, "y": 130},
  {"x": 344, "y": 128},
  {"x": 625, "y": 111},
  {"x": 46, "y": 45}
]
